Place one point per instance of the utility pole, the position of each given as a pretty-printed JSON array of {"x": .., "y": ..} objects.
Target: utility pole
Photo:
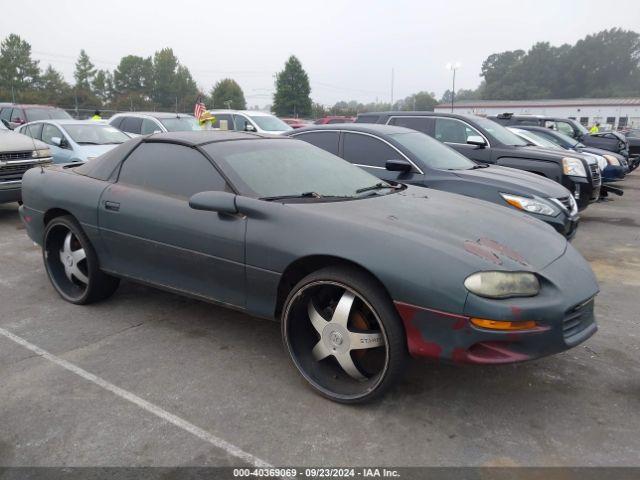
[
  {"x": 453, "y": 66},
  {"x": 392, "y": 88}
]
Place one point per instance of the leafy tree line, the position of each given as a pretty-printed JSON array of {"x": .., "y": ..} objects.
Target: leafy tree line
[
  {"x": 604, "y": 64},
  {"x": 159, "y": 82}
]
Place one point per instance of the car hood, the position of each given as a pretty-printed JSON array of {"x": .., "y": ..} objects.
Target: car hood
[
  {"x": 89, "y": 151},
  {"x": 11, "y": 141},
  {"x": 478, "y": 233},
  {"x": 552, "y": 154},
  {"x": 511, "y": 180}
]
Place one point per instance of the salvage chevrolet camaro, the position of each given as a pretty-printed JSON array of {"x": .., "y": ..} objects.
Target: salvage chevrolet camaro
[{"x": 361, "y": 272}]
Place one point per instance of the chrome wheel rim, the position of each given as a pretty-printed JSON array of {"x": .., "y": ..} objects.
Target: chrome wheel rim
[
  {"x": 336, "y": 339},
  {"x": 66, "y": 262}
]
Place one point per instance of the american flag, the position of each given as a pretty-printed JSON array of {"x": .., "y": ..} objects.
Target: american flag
[{"x": 199, "y": 108}]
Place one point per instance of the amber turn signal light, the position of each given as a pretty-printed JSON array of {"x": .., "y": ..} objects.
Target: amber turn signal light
[{"x": 502, "y": 325}]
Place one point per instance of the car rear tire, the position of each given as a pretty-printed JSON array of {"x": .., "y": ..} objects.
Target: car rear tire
[
  {"x": 72, "y": 263},
  {"x": 344, "y": 335}
]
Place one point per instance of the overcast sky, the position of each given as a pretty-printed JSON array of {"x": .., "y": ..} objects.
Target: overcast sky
[{"x": 348, "y": 48}]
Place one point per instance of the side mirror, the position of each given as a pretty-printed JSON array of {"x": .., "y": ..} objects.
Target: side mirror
[
  {"x": 398, "y": 166},
  {"x": 60, "y": 142},
  {"x": 249, "y": 128},
  {"x": 476, "y": 140},
  {"x": 221, "y": 202}
]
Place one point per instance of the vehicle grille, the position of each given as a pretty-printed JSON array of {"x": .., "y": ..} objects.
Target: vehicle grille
[
  {"x": 566, "y": 202},
  {"x": 8, "y": 157},
  {"x": 596, "y": 179},
  {"x": 14, "y": 171},
  {"x": 577, "y": 319}
]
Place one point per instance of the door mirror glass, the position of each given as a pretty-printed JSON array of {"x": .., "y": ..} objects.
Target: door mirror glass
[
  {"x": 249, "y": 128},
  {"x": 221, "y": 202},
  {"x": 58, "y": 141},
  {"x": 398, "y": 166},
  {"x": 476, "y": 140}
]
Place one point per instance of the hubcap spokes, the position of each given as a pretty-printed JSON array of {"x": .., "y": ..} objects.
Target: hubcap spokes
[
  {"x": 337, "y": 340},
  {"x": 70, "y": 260}
]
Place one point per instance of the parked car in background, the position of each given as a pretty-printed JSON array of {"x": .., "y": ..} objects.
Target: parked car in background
[
  {"x": 612, "y": 141},
  {"x": 485, "y": 141},
  {"x": 612, "y": 165},
  {"x": 402, "y": 155},
  {"x": 14, "y": 115},
  {"x": 75, "y": 140},
  {"x": 334, "y": 119},
  {"x": 145, "y": 123},
  {"x": 18, "y": 153},
  {"x": 248, "y": 121},
  {"x": 277, "y": 228},
  {"x": 297, "y": 122}
]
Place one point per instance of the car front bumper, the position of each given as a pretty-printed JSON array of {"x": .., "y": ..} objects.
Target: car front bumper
[
  {"x": 10, "y": 191},
  {"x": 563, "y": 312}
]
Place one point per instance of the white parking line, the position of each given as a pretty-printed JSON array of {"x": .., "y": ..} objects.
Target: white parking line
[{"x": 149, "y": 407}]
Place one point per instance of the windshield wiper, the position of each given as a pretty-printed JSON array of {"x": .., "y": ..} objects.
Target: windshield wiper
[
  {"x": 479, "y": 165},
  {"x": 89, "y": 143},
  {"x": 303, "y": 195},
  {"x": 377, "y": 186}
]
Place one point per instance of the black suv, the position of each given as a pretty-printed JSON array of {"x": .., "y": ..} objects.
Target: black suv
[
  {"x": 406, "y": 156},
  {"x": 612, "y": 141},
  {"x": 486, "y": 141}
]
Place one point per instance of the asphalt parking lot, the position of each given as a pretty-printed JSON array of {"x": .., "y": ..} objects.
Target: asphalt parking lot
[{"x": 150, "y": 378}]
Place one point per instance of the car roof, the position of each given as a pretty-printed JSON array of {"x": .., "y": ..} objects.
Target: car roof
[
  {"x": 152, "y": 114},
  {"x": 67, "y": 121},
  {"x": 202, "y": 137},
  {"x": 393, "y": 113},
  {"x": 372, "y": 128},
  {"x": 254, "y": 113},
  {"x": 32, "y": 105}
]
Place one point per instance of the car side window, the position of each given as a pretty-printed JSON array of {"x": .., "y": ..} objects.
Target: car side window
[
  {"x": 451, "y": 130},
  {"x": 17, "y": 115},
  {"x": 148, "y": 126},
  {"x": 240, "y": 122},
  {"x": 34, "y": 131},
  {"x": 131, "y": 125},
  {"x": 325, "y": 140},
  {"x": 423, "y": 124},
  {"x": 116, "y": 122},
  {"x": 170, "y": 169},
  {"x": 50, "y": 131},
  {"x": 223, "y": 122},
  {"x": 565, "y": 128},
  {"x": 365, "y": 150}
]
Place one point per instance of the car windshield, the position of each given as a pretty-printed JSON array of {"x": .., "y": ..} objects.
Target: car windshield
[
  {"x": 95, "y": 134},
  {"x": 534, "y": 138},
  {"x": 500, "y": 133},
  {"x": 278, "y": 168},
  {"x": 34, "y": 114},
  {"x": 180, "y": 124},
  {"x": 270, "y": 123},
  {"x": 433, "y": 153}
]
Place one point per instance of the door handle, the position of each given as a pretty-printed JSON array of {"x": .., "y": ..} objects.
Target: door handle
[{"x": 113, "y": 206}]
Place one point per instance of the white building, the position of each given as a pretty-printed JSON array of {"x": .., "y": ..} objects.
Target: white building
[{"x": 609, "y": 112}]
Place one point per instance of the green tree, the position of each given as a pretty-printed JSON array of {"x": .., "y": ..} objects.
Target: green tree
[
  {"x": 423, "y": 101},
  {"x": 185, "y": 88},
  {"x": 84, "y": 72},
  {"x": 54, "y": 89},
  {"x": 133, "y": 75},
  {"x": 18, "y": 72},
  {"x": 292, "y": 90},
  {"x": 227, "y": 93},
  {"x": 165, "y": 64},
  {"x": 102, "y": 86}
]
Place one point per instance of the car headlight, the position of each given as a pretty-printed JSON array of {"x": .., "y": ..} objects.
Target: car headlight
[
  {"x": 612, "y": 160},
  {"x": 41, "y": 153},
  {"x": 574, "y": 167},
  {"x": 503, "y": 284},
  {"x": 532, "y": 205}
]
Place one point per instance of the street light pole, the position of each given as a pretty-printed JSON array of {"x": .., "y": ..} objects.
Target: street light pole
[{"x": 453, "y": 66}]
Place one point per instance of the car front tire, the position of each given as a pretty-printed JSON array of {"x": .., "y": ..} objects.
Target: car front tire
[{"x": 344, "y": 335}]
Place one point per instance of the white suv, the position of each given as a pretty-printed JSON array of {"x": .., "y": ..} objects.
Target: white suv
[
  {"x": 248, "y": 121},
  {"x": 144, "y": 123}
]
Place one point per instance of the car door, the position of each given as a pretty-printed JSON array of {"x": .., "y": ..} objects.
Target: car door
[
  {"x": 455, "y": 133},
  {"x": 372, "y": 153},
  {"x": 150, "y": 233},
  {"x": 62, "y": 153}
]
